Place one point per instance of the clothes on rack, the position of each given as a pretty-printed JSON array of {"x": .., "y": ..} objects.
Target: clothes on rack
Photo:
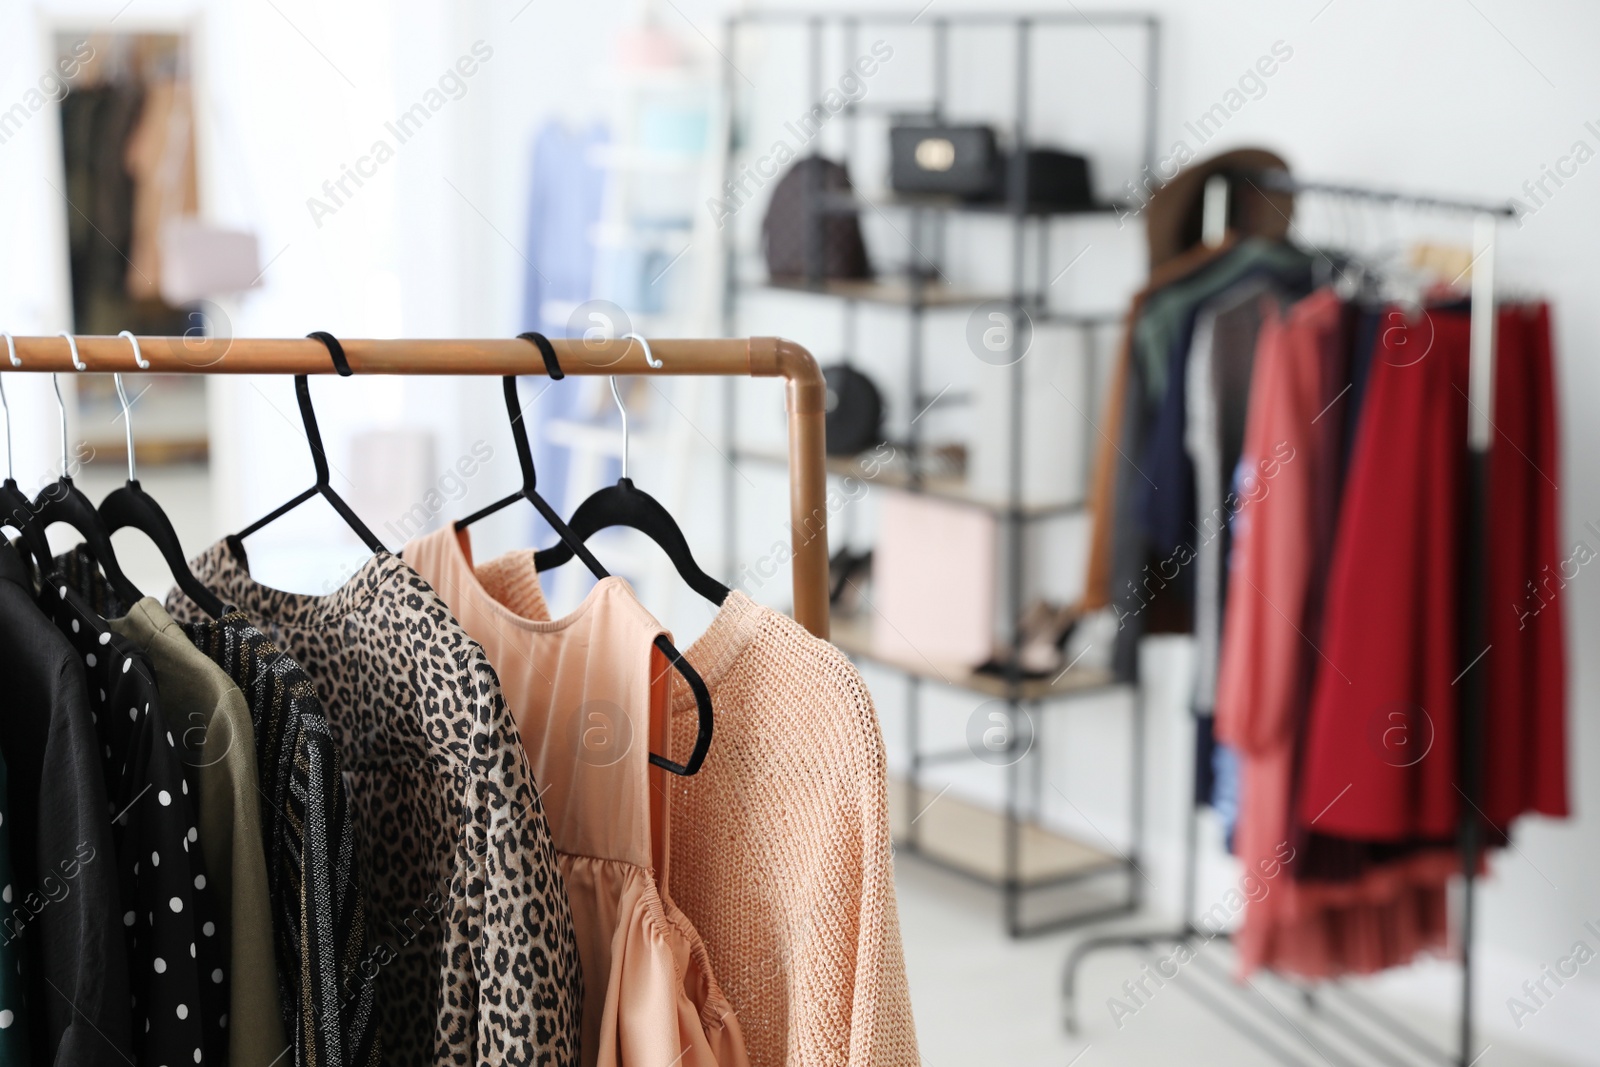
[
  {"x": 316, "y": 893},
  {"x": 69, "y": 921},
  {"x": 1323, "y": 587},
  {"x": 1281, "y": 549},
  {"x": 96, "y": 124},
  {"x": 1387, "y": 732},
  {"x": 472, "y": 939},
  {"x": 588, "y": 693},
  {"x": 14, "y": 1041},
  {"x": 210, "y": 720},
  {"x": 325, "y": 963},
  {"x": 175, "y": 958},
  {"x": 159, "y": 155},
  {"x": 204, "y": 705},
  {"x": 308, "y": 831},
  {"x": 128, "y": 161},
  {"x": 1152, "y": 496},
  {"x": 1220, "y": 365},
  {"x": 1109, "y": 464},
  {"x": 800, "y": 920},
  {"x": 801, "y": 930},
  {"x": 1528, "y": 759}
]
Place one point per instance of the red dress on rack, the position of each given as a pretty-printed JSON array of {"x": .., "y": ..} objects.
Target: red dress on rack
[
  {"x": 1269, "y": 659},
  {"x": 1380, "y": 758},
  {"x": 1526, "y": 741},
  {"x": 1380, "y": 763},
  {"x": 1282, "y": 542},
  {"x": 1264, "y": 659}
]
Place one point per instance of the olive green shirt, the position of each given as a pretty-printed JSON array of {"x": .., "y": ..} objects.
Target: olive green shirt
[{"x": 200, "y": 702}]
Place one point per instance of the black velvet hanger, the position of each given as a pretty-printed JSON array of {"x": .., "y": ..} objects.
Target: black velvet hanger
[
  {"x": 12, "y": 567},
  {"x": 574, "y": 543},
  {"x": 19, "y": 515},
  {"x": 624, "y": 504},
  {"x": 61, "y": 501},
  {"x": 131, "y": 506},
  {"x": 323, "y": 486},
  {"x": 18, "y": 508}
]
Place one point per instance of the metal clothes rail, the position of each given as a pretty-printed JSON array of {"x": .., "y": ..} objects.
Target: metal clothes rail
[
  {"x": 1378, "y": 1034},
  {"x": 758, "y": 357}
]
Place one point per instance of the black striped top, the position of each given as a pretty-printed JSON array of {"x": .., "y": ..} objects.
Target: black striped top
[{"x": 319, "y": 921}]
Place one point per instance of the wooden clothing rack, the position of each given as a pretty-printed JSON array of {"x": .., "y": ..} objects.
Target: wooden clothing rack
[{"x": 756, "y": 357}]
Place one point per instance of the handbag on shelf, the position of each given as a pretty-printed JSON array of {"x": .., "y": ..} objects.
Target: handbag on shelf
[
  {"x": 959, "y": 161},
  {"x": 854, "y": 419},
  {"x": 965, "y": 162},
  {"x": 1057, "y": 180},
  {"x": 809, "y": 232}
]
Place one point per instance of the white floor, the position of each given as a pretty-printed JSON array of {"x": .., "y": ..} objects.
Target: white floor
[{"x": 981, "y": 998}]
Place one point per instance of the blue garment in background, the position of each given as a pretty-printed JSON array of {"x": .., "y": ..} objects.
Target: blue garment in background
[
  {"x": 1225, "y": 789},
  {"x": 565, "y": 198},
  {"x": 1167, "y": 514},
  {"x": 1369, "y": 326}
]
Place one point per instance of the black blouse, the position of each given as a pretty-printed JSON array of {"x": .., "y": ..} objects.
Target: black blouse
[
  {"x": 61, "y": 840},
  {"x": 176, "y": 956}
]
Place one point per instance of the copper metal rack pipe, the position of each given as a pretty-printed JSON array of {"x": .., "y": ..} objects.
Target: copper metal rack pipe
[{"x": 757, "y": 357}]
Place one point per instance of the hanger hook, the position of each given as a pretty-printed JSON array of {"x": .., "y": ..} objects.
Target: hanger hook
[
  {"x": 55, "y": 380},
  {"x": 138, "y": 356},
  {"x": 649, "y": 356},
  {"x": 11, "y": 474},
  {"x": 622, "y": 409},
  {"x": 72, "y": 343},
  {"x": 127, "y": 408},
  {"x": 11, "y": 347}
]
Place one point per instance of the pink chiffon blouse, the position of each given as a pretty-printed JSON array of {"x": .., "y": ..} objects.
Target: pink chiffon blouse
[{"x": 589, "y": 693}]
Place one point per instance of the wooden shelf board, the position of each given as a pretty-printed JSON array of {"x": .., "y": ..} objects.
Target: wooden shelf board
[
  {"x": 888, "y": 290},
  {"x": 847, "y": 204},
  {"x": 972, "y": 839},
  {"x": 943, "y": 486},
  {"x": 853, "y": 637}
]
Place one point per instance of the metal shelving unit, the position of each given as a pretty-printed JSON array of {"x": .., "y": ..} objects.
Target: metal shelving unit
[{"x": 1008, "y": 849}]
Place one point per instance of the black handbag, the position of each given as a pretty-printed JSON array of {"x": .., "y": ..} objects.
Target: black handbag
[
  {"x": 1057, "y": 181},
  {"x": 964, "y": 162},
  {"x": 853, "y": 421},
  {"x": 809, "y": 232},
  {"x": 961, "y": 161}
]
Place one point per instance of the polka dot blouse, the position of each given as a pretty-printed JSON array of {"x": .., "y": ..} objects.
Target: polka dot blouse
[{"x": 176, "y": 954}]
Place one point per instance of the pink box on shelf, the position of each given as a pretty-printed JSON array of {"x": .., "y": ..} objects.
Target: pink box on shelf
[{"x": 933, "y": 581}]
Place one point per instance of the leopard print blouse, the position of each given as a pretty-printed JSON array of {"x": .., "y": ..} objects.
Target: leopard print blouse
[{"x": 474, "y": 950}]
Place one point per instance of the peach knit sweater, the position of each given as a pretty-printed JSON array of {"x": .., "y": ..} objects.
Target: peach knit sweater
[
  {"x": 781, "y": 857},
  {"x": 781, "y": 850}
]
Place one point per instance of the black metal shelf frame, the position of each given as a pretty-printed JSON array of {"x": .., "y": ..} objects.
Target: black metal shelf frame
[{"x": 926, "y": 219}]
